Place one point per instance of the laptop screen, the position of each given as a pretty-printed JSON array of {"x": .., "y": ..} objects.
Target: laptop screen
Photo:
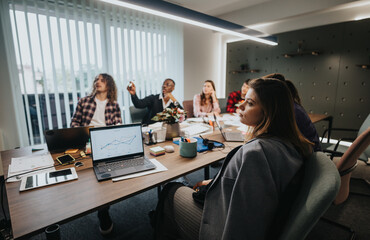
[
  {"x": 59, "y": 140},
  {"x": 116, "y": 141}
]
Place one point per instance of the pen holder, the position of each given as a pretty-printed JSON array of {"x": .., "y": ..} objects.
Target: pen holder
[
  {"x": 161, "y": 134},
  {"x": 149, "y": 138},
  {"x": 188, "y": 149}
]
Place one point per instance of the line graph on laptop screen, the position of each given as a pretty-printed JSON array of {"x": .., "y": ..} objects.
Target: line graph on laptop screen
[{"x": 115, "y": 142}]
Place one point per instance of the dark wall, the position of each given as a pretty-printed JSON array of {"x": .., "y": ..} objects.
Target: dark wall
[{"x": 329, "y": 83}]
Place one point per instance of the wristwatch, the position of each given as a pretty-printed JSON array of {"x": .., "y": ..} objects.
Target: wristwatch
[{"x": 176, "y": 103}]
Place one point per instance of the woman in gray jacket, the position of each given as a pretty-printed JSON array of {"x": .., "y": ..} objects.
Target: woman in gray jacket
[{"x": 251, "y": 194}]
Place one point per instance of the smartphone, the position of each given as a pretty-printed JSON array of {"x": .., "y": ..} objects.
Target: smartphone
[
  {"x": 47, "y": 178},
  {"x": 65, "y": 159}
]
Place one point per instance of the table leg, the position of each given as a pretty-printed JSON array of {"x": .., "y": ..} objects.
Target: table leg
[
  {"x": 159, "y": 189},
  {"x": 206, "y": 172},
  {"x": 330, "y": 120}
]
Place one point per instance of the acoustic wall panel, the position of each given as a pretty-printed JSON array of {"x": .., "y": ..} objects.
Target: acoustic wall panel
[{"x": 329, "y": 83}]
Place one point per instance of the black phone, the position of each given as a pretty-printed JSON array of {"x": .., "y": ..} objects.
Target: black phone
[{"x": 65, "y": 159}]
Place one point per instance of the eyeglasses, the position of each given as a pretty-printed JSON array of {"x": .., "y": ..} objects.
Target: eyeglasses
[{"x": 168, "y": 85}]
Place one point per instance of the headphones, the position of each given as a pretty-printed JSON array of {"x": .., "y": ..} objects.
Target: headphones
[{"x": 211, "y": 143}]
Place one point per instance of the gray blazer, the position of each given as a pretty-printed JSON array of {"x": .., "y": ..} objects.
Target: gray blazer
[{"x": 243, "y": 198}]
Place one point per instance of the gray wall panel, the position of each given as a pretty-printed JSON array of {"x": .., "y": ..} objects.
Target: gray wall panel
[{"x": 329, "y": 83}]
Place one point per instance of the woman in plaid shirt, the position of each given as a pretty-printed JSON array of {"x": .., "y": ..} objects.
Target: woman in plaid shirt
[
  {"x": 99, "y": 109},
  {"x": 236, "y": 98}
]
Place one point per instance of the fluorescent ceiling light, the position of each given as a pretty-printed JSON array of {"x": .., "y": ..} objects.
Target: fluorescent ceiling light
[
  {"x": 188, "y": 21},
  {"x": 361, "y": 17}
]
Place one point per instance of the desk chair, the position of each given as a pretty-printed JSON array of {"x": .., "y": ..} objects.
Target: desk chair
[
  {"x": 222, "y": 102},
  {"x": 320, "y": 186},
  {"x": 188, "y": 107},
  {"x": 336, "y": 148},
  {"x": 137, "y": 114},
  {"x": 345, "y": 166},
  {"x": 348, "y": 163}
]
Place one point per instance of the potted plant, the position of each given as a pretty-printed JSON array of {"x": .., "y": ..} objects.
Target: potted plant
[{"x": 171, "y": 117}]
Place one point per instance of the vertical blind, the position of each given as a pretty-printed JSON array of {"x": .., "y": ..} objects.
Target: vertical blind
[{"x": 60, "y": 46}]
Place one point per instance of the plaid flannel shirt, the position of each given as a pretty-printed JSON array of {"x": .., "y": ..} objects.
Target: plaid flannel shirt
[
  {"x": 85, "y": 111},
  {"x": 234, "y": 98}
]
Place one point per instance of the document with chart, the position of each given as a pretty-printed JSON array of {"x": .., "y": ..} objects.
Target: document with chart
[{"x": 118, "y": 150}]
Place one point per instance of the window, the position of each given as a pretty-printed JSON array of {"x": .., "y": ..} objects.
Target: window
[{"x": 60, "y": 46}]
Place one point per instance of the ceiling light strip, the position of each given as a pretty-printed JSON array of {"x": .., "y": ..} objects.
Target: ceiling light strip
[{"x": 188, "y": 21}]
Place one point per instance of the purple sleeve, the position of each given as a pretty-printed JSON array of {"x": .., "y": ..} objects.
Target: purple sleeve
[{"x": 306, "y": 127}]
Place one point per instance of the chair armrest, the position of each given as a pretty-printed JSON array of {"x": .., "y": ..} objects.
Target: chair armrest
[
  {"x": 333, "y": 153},
  {"x": 337, "y": 129},
  {"x": 342, "y": 139}
]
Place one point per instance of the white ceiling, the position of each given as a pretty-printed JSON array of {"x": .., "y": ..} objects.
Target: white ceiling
[{"x": 277, "y": 16}]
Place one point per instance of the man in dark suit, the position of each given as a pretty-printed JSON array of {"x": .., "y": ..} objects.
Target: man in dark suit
[{"x": 155, "y": 103}]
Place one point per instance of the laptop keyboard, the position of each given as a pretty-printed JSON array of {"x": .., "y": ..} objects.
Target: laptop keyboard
[{"x": 108, "y": 167}]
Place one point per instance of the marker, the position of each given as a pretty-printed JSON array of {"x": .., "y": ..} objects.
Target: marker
[{"x": 210, "y": 123}]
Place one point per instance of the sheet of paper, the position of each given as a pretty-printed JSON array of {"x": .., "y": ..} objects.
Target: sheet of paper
[
  {"x": 195, "y": 120},
  {"x": 195, "y": 129},
  {"x": 15, "y": 179},
  {"x": 31, "y": 162},
  {"x": 233, "y": 123},
  {"x": 155, "y": 125},
  {"x": 230, "y": 117},
  {"x": 243, "y": 128},
  {"x": 159, "y": 168}
]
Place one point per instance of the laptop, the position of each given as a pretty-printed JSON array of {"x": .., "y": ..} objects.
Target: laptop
[
  {"x": 229, "y": 136},
  {"x": 118, "y": 150},
  {"x": 59, "y": 140}
]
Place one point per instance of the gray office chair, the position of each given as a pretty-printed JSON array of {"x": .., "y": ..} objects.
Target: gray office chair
[
  {"x": 222, "y": 102},
  {"x": 137, "y": 114},
  {"x": 319, "y": 188},
  {"x": 337, "y": 148}
]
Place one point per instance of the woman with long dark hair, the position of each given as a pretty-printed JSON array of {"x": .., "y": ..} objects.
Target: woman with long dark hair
[
  {"x": 244, "y": 199},
  {"x": 206, "y": 102},
  {"x": 303, "y": 121}
]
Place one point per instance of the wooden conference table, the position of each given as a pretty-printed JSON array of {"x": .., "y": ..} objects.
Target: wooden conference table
[{"x": 31, "y": 211}]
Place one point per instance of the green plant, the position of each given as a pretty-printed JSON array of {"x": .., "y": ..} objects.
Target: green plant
[{"x": 170, "y": 115}]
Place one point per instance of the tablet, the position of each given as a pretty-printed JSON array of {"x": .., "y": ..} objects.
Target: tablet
[{"x": 47, "y": 178}]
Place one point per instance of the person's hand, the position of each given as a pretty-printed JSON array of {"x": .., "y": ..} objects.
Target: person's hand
[
  {"x": 202, "y": 183},
  {"x": 169, "y": 96},
  {"x": 132, "y": 89},
  {"x": 213, "y": 96}
]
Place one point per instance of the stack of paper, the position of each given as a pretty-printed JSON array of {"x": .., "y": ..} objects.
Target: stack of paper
[
  {"x": 21, "y": 165},
  {"x": 195, "y": 129},
  {"x": 156, "y": 151}
]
